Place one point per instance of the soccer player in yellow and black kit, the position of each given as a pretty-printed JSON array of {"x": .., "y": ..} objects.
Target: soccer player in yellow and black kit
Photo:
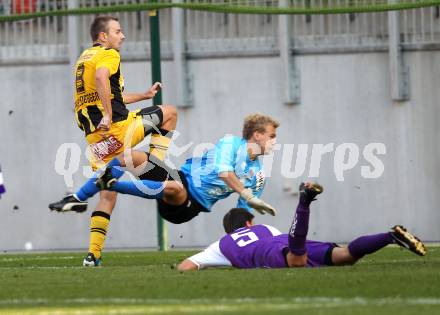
[{"x": 110, "y": 128}]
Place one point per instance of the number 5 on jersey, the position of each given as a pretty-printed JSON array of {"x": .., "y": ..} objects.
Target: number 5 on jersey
[{"x": 244, "y": 237}]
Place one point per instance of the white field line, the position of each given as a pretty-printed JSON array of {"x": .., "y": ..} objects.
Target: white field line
[
  {"x": 80, "y": 266},
  {"x": 403, "y": 260},
  {"x": 31, "y": 257},
  {"x": 226, "y": 301},
  {"x": 44, "y": 267},
  {"x": 164, "y": 309},
  {"x": 206, "y": 306}
]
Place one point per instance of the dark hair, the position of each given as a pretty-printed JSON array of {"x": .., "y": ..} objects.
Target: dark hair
[
  {"x": 236, "y": 218},
  {"x": 99, "y": 25}
]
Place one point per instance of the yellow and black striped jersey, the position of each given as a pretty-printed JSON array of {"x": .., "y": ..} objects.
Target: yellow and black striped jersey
[{"x": 88, "y": 107}]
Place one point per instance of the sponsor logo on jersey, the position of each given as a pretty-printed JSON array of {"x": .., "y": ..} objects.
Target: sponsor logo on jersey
[
  {"x": 86, "y": 99},
  {"x": 259, "y": 180},
  {"x": 87, "y": 55},
  {"x": 219, "y": 191},
  {"x": 105, "y": 147}
]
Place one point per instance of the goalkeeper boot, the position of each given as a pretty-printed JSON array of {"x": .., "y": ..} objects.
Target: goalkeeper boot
[
  {"x": 310, "y": 190},
  {"x": 91, "y": 261},
  {"x": 69, "y": 203},
  {"x": 105, "y": 180},
  {"x": 405, "y": 239}
]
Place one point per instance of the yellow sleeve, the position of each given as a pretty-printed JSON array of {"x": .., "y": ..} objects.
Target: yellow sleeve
[{"x": 109, "y": 59}]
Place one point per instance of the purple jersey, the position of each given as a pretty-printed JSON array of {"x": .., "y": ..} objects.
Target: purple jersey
[
  {"x": 258, "y": 247},
  {"x": 254, "y": 247}
]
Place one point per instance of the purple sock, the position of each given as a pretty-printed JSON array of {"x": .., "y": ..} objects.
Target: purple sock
[
  {"x": 369, "y": 244},
  {"x": 298, "y": 230}
]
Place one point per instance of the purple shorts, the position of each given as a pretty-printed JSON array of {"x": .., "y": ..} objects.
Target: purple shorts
[{"x": 319, "y": 254}]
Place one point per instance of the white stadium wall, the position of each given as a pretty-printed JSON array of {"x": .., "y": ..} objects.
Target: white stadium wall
[{"x": 345, "y": 98}]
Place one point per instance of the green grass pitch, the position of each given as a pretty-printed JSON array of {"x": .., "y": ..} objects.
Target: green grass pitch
[{"x": 392, "y": 281}]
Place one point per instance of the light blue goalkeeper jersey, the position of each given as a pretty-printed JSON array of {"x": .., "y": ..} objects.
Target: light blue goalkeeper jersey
[{"x": 229, "y": 155}]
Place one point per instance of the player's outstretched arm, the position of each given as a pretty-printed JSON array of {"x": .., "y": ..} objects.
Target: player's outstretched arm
[
  {"x": 232, "y": 181},
  {"x": 187, "y": 265},
  {"x": 130, "y": 98},
  {"x": 210, "y": 257}
]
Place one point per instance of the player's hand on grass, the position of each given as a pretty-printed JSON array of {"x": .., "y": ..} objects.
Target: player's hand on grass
[
  {"x": 256, "y": 203},
  {"x": 154, "y": 89},
  {"x": 105, "y": 123}
]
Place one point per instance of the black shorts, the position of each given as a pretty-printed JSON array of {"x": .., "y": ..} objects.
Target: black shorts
[
  {"x": 152, "y": 118},
  {"x": 328, "y": 255},
  {"x": 184, "y": 212}
]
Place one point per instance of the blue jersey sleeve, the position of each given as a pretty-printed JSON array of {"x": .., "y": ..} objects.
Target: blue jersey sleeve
[{"x": 225, "y": 155}]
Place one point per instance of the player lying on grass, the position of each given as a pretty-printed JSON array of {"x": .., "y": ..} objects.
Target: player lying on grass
[{"x": 262, "y": 246}]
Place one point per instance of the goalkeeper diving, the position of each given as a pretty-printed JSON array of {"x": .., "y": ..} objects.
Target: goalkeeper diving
[{"x": 233, "y": 165}]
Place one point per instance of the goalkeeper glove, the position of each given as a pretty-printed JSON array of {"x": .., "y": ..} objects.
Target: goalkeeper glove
[{"x": 256, "y": 202}]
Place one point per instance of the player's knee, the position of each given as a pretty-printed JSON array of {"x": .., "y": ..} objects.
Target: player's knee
[
  {"x": 348, "y": 258},
  {"x": 174, "y": 193},
  {"x": 341, "y": 256},
  {"x": 297, "y": 264},
  {"x": 296, "y": 261},
  {"x": 169, "y": 113},
  {"x": 108, "y": 196},
  {"x": 172, "y": 188},
  {"x": 121, "y": 156}
]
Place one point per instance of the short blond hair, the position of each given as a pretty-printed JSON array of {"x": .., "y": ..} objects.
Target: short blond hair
[{"x": 257, "y": 122}]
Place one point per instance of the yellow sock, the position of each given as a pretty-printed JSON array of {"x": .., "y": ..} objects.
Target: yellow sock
[
  {"x": 98, "y": 229},
  {"x": 159, "y": 144}
]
